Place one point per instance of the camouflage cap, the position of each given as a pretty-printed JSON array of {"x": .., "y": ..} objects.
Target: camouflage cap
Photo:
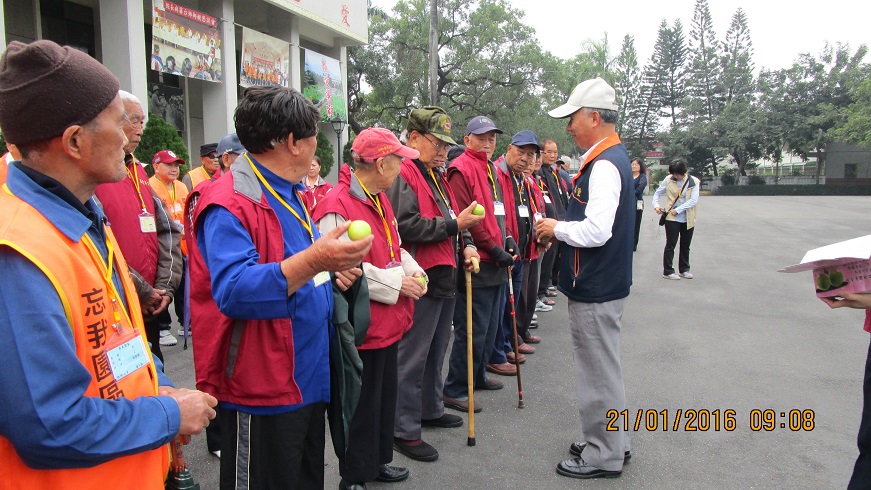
[{"x": 433, "y": 120}]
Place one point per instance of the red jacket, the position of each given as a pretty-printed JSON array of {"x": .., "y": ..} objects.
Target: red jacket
[
  {"x": 470, "y": 181},
  {"x": 313, "y": 195},
  {"x": 260, "y": 351},
  {"x": 122, "y": 205},
  {"x": 429, "y": 255},
  {"x": 537, "y": 207},
  {"x": 388, "y": 322}
]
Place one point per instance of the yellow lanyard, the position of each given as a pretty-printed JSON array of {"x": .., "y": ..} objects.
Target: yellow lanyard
[
  {"x": 172, "y": 193},
  {"x": 531, "y": 196},
  {"x": 306, "y": 223},
  {"x": 134, "y": 176},
  {"x": 106, "y": 268},
  {"x": 438, "y": 188},
  {"x": 559, "y": 182},
  {"x": 492, "y": 182},
  {"x": 380, "y": 210},
  {"x": 519, "y": 188}
]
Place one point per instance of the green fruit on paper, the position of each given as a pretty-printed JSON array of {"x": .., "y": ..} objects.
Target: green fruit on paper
[
  {"x": 824, "y": 282},
  {"x": 837, "y": 278}
]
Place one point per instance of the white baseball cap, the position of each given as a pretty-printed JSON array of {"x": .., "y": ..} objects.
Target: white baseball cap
[{"x": 593, "y": 94}]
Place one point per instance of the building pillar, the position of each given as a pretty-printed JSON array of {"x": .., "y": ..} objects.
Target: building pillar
[
  {"x": 296, "y": 55},
  {"x": 122, "y": 44},
  {"x": 2, "y": 28},
  {"x": 220, "y": 99}
]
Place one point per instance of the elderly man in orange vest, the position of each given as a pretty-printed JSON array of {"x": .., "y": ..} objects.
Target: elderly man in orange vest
[
  {"x": 208, "y": 171},
  {"x": 174, "y": 195},
  {"x": 84, "y": 403}
]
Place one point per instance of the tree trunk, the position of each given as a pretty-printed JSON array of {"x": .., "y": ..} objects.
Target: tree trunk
[
  {"x": 433, "y": 52},
  {"x": 820, "y": 161},
  {"x": 714, "y": 164}
]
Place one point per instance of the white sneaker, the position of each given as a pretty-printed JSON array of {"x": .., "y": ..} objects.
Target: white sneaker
[
  {"x": 673, "y": 276},
  {"x": 534, "y": 316},
  {"x": 686, "y": 275},
  {"x": 181, "y": 332},
  {"x": 167, "y": 339},
  {"x": 539, "y": 306}
]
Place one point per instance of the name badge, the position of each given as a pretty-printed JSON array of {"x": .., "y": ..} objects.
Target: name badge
[
  {"x": 498, "y": 208},
  {"x": 321, "y": 278},
  {"x": 127, "y": 357},
  {"x": 147, "y": 223},
  {"x": 453, "y": 214},
  {"x": 523, "y": 211},
  {"x": 547, "y": 199},
  {"x": 176, "y": 208},
  {"x": 538, "y": 216}
]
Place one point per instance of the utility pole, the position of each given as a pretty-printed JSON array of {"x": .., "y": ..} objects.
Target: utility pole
[{"x": 433, "y": 52}]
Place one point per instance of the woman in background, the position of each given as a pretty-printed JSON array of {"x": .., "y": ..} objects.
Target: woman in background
[{"x": 639, "y": 178}]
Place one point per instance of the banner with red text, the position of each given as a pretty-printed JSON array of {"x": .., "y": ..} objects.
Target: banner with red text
[
  {"x": 322, "y": 84},
  {"x": 185, "y": 42}
]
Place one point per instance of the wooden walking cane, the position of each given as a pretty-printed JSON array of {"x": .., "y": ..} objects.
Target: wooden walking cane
[
  {"x": 469, "y": 361},
  {"x": 516, "y": 345}
]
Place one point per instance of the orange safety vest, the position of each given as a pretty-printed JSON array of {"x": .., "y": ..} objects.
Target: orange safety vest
[
  {"x": 175, "y": 208},
  {"x": 198, "y": 175},
  {"x": 86, "y": 296}
]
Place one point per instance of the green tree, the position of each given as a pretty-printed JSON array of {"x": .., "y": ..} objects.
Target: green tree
[
  {"x": 326, "y": 153},
  {"x": 627, "y": 83},
  {"x": 667, "y": 71},
  {"x": 159, "y": 135},
  {"x": 737, "y": 71},
  {"x": 857, "y": 127}
]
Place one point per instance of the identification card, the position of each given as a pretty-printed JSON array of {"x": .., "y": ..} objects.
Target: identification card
[
  {"x": 547, "y": 199},
  {"x": 523, "y": 211},
  {"x": 180, "y": 225},
  {"x": 128, "y": 356},
  {"x": 176, "y": 208},
  {"x": 453, "y": 214},
  {"x": 538, "y": 216},
  {"x": 147, "y": 223},
  {"x": 321, "y": 278},
  {"x": 498, "y": 208}
]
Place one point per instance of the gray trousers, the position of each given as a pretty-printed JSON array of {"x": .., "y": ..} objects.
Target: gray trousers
[
  {"x": 421, "y": 357},
  {"x": 595, "y": 329}
]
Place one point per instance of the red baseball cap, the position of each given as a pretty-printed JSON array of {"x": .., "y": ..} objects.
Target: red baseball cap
[
  {"x": 374, "y": 143},
  {"x": 166, "y": 156}
]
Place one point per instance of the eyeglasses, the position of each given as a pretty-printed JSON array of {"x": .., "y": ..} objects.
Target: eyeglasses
[{"x": 440, "y": 146}]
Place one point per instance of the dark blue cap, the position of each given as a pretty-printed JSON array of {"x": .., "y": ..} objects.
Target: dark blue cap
[
  {"x": 481, "y": 125},
  {"x": 525, "y": 137},
  {"x": 230, "y": 144}
]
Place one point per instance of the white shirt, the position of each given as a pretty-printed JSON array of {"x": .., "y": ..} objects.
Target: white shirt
[{"x": 595, "y": 230}]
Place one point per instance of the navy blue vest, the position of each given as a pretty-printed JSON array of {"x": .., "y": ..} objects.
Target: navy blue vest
[{"x": 606, "y": 271}]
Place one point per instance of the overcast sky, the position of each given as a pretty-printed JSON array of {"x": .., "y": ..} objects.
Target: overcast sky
[{"x": 779, "y": 30}]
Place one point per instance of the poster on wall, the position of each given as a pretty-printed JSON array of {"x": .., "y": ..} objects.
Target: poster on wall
[
  {"x": 322, "y": 84},
  {"x": 167, "y": 103},
  {"x": 185, "y": 42},
  {"x": 265, "y": 60}
]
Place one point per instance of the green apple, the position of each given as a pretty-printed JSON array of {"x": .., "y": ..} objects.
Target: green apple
[
  {"x": 837, "y": 278},
  {"x": 359, "y": 230},
  {"x": 478, "y": 211},
  {"x": 422, "y": 281},
  {"x": 824, "y": 282}
]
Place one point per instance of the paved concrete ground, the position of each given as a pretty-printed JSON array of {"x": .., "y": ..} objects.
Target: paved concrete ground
[{"x": 739, "y": 336}]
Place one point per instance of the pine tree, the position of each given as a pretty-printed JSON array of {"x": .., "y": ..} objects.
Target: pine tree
[
  {"x": 667, "y": 72},
  {"x": 704, "y": 83},
  {"x": 738, "y": 61},
  {"x": 627, "y": 83}
]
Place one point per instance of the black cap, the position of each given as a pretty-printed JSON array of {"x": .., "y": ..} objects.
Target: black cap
[{"x": 208, "y": 148}]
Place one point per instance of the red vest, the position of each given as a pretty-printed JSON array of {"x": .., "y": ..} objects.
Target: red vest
[
  {"x": 82, "y": 288},
  {"x": 429, "y": 254},
  {"x": 472, "y": 166},
  {"x": 506, "y": 182},
  {"x": 312, "y": 196},
  {"x": 122, "y": 206},
  {"x": 262, "y": 355},
  {"x": 388, "y": 322}
]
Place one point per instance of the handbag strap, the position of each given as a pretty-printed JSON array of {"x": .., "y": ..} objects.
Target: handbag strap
[{"x": 679, "y": 193}]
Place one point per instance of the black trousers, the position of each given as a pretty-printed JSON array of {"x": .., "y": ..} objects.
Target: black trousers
[
  {"x": 637, "y": 227},
  {"x": 861, "y": 478},
  {"x": 547, "y": 265},
  {"x": 370, "y": 436},
  {"x": 152, "y": 333},
  {"x": 673, "y": 230},
  {"x": 265, "y": 452}
]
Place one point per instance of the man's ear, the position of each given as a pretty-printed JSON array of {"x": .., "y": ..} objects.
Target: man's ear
[
  {"x": 72, "y": 141},
  {"x": 293, "y": 145}
]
